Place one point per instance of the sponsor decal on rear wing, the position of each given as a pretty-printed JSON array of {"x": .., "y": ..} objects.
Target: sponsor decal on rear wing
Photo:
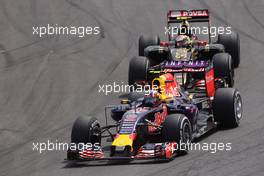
[
  {"x": 182, "y": 66},
  {"x": 186, "y": 64},
  {"x": 177, "y": 16},
  {"x": 175, "y": 66}
]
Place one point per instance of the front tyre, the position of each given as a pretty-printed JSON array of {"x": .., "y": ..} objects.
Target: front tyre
[
  {"x": 227, "y": 107},
  {"x": 138, "y": 70},
  {"x": 177, "y": 128},
  {"x": 85, "y": 130},
  {"x": 223, "y": 68}
]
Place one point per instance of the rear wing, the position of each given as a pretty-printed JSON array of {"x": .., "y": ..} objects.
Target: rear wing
[
  {"x": 195, "y": 15},
  {"x": 177, "y": 16}
]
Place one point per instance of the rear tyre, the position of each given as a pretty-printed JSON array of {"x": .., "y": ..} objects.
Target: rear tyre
[
  {"x": 85, "y": 130},
  {"x": 138, "y": 69},
  {"x": 145, "y": 41},
  {"x": 231, "y": 43},
  {"x": 177, "y": 128},
  {"x": 227, "y": 107},
  {"x": 223, "y": 68}
]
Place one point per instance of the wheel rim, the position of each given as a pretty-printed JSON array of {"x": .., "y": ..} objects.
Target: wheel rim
[
  {"x": 238, "y": 108},
  {"x": 186, "y": 133},
  {"x": 95, "y": 134}
]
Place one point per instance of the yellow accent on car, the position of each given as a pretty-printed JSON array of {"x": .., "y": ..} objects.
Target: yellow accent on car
[
  {"x": 207, "y": 48},
  {"x": 122, "y": 140},
  {"x": 161, "y": 88},
  {"x": 125, "y": 101},
  {"x": 181, "y": 53},
  {"x": 154, "y": 71}
]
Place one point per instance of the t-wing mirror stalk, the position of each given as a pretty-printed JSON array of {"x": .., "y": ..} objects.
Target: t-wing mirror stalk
[{"x": 125, "y": 101}]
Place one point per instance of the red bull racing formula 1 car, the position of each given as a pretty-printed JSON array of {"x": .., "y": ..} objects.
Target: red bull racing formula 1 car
[{"x": 155, "y": 125}]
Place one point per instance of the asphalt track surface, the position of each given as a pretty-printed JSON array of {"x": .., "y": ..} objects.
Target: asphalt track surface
[{"x": 45, "y": 83}]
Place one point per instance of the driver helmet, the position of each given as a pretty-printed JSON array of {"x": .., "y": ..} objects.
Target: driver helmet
[
  {"x": 182, "y": 41},
  {"x": 185, "y": 28}
]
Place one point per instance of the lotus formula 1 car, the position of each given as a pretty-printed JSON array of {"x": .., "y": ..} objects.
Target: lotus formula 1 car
[
  {"x": 155, "y": 125},
  {"x": 185, "y": 46}
]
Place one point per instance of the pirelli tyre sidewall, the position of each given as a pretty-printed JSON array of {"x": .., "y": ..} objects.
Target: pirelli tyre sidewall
[
  {"x": 227, "y": 107},
  {"x": 145, "y": 41},
  {"x": 86, "y": 129},
  {"x": 177, "y": 128}
]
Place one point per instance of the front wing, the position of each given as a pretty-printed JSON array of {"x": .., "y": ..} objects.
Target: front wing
[{"x": 154, "y": 151}]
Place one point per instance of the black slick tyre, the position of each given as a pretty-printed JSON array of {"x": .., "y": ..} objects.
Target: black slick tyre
[
  {"x": 227, "y": 107},
  {"x": 231, "y": 43},
  {"x": 177, "y": 128},
  {"x": 85, "y": 130},
  {"x": 145, "y": 41},
  {"x": 138, "y": 69},
  {"x": 223, "y": 68}
]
